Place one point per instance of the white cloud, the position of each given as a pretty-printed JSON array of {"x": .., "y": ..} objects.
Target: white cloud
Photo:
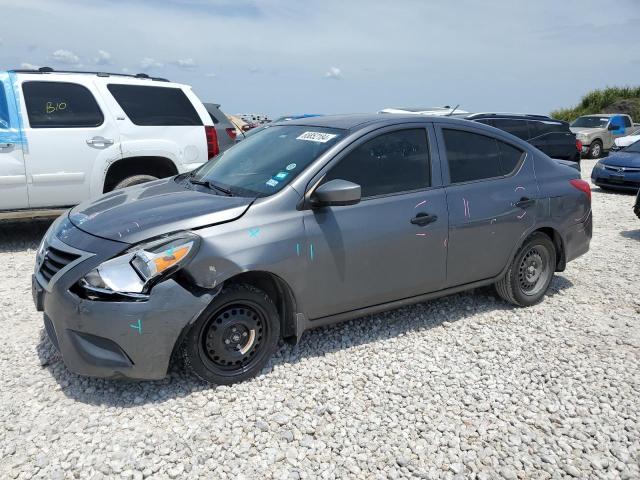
[
  {"x": 148, "y": 62},
  {"x": 186, "y": 63},
  {"x": 210, "y": 75},
  {"x": 29, "y": 66},
  {"x": 103, "y": 58},
  {"x": 66, "y": 57},
  {"x": 333, "y": 72}
]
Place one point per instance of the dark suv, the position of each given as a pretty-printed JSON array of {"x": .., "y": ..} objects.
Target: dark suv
[{"x": 549, "y": 135}]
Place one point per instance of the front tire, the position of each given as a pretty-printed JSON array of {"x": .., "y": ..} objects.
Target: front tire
[
  {"x": 595, "y": 149},
  {"x": 234, "y": 337},
  {"x": 529, "y": 275}
]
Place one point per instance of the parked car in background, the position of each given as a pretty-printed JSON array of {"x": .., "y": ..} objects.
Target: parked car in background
[
  {"x": 241, "y": 126},
  {"x": 549, "y": 135},
  {"x": 69, "y": 136},
  {"x": 598, "y": 132},
  {"x": 225, "y": 130},
  {"x": 286, "y": 118},
  {"x": 620, "y": 170},
  {"x": 627, "y": 140},
  {"x": 443, "y": 111},
  {"x": 309, "y": 223}
]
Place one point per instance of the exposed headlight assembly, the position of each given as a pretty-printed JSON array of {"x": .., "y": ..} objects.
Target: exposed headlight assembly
[{"x": 133, "y": 273}]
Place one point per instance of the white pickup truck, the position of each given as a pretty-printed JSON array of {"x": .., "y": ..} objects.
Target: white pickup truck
[{"x": 69, "y": 136}]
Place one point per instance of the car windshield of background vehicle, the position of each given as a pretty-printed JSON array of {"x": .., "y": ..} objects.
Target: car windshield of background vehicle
[
  {"x": 633, "y": 148},
  {"x": 263, "y": 164},
  {"x": 591, "y": 122}
]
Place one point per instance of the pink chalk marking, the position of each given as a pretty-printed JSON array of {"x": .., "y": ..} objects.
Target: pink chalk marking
[
  {"x": 421, "y": 203},
  {"x": 446, "y": 241},
  {"x": 519, "y": 187},
  {"x": 421, "y": 234},
  {"x": 467, "y": 212},
  {"x": 520, "y": 217}
]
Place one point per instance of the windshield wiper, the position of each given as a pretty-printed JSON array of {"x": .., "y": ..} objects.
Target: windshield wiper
[{"x": 210, "y": 185}]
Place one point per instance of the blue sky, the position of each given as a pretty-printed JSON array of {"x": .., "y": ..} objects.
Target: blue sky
[{"x": 329, "y": 56}]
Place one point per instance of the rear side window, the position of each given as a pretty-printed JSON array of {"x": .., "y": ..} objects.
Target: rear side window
[
  {"x": 626, "y": 121},
  {"x": 476, "y": 157},
  {"x": 390, "y": 163},
  {"x": 60, "y": 105},
  {"x": 155, "y": 106},
  {"x": 518, "y": 128}
]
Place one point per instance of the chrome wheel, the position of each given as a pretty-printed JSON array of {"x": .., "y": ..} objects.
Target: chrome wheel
[{"x": 534, "y": 270}]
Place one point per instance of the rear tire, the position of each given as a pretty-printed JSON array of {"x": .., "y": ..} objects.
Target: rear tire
[
  {"x": 134, "y": 180},
  {"x": 234, "y": 337},
  {"x": 529, "y": 275},
  {"x": 595, "y": 149}
]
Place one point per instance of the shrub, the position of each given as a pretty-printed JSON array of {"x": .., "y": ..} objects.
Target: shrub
[{"x": 609, "y": 100}]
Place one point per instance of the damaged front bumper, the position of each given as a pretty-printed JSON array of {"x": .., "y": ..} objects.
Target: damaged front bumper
[{"x": 112, "y": 338}]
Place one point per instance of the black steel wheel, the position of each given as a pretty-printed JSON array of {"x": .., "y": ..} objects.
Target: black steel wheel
[
  {"x": 530, "y": 272},
  {"x": 234, "y": 337}
]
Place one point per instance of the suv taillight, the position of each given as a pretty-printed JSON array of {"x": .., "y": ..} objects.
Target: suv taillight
[
  {"x": 579, "y": 145},
  {"x": 212, "y": 141},
  {"x": 232, "y": 133},
  {"x": 583, "y": 186}
]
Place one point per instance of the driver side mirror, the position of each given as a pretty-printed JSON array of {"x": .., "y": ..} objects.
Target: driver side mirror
[{"x": 336, "y": 193}]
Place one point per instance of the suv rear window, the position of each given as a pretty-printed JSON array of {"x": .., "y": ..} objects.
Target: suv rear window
[
  {"x": 60, "y": 105},
  {"x": 155, "y": 106}
]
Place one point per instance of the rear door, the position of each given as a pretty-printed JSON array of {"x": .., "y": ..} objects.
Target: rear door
[
  {"x": 555, "y": 137},
  {"x": 13, "y": 178},
  {"x": 491, "y": 195},
  {"x": 371, "y": 253},
  {"x": 68, "y": 129}
]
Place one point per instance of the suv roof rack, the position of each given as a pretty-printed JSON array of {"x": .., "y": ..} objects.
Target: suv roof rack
[
  {"x": 44, "y": 70},
  {"x": 507, "y": 114}
]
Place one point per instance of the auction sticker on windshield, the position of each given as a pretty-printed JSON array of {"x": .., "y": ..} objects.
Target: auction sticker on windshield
[{"x": 319, "y": 137}]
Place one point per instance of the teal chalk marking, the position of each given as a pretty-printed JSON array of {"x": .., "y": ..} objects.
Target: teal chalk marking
[
  {"x": 311, "y": 251},
  {"x": 253, "y": 232},
  {"x": 137, "y": 326},
  {"x": 298, "y": 249}
]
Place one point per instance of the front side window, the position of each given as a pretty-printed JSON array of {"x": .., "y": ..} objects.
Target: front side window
[
  {"x": 4, "y": 109},
  {"x": 390, "y": 163},
  {"x": 155, "y": 106},
  {"x": 476, "y": 157},
  {"x": 264, "y": 163},
  {"x": 60, "y": 105},
  {"x": 627, "y": 121}
]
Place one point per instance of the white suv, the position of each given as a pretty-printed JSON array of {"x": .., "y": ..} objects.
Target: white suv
[{"x": 69, "y": 136}]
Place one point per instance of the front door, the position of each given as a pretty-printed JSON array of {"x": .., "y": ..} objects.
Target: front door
[
  {"x": 391, "y": 245},
  {"x": 13, "y": 179},
  {"x": 68, "y": 130},
  {"x": 491, "y": 200}
]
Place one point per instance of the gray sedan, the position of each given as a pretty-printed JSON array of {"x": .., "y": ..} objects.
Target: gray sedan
[{"x": 307, "y": 223}]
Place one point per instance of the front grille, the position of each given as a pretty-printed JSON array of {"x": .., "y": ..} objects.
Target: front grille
[
  {"x": 55, "y": 260},
  {"x": 622, "y": 169}
]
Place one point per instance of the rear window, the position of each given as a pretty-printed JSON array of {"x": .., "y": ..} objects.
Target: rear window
[
  {"x": 4, "y": 108},
  {"x": 518, "y": 128},
  {"x": 155, "y": 106},
  {"x": 60, "y": 105},
  {"x": 476, "y": 157}
]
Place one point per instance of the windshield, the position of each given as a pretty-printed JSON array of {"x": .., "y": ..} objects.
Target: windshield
[
  {"x": 591, "y": 122},
  {"x": 267, "y": 161},
  {"x": 633, "y": 148}
]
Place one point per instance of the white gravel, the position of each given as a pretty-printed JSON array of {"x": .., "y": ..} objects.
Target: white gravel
[{"x": 462, "y": 387}]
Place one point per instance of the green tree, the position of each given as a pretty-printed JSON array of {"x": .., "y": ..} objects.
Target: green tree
[{"x": 608, "y": 100}]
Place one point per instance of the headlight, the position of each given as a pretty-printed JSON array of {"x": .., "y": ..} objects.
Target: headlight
[
  {"x": 599, "y": 165},
  {"x": 134, "y": 272}
]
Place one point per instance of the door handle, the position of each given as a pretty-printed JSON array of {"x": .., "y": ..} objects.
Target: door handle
[
  {"x": 423, "y": 219},
  {"x": 524, "y": 202},
  {"x": 99, "y": 141},
  {"x": 5, "y": 145}
]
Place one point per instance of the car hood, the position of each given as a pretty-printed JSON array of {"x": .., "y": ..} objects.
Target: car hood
[
  {"x": 137, "y": 213},
  {"x": 585, "y": 130},
  {"x": 622, "y": 159}
]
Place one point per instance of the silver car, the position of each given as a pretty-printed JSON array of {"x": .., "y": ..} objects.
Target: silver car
[{"x": 224, "y": 128}]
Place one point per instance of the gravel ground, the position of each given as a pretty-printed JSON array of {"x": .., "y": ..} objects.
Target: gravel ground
[{"x": 462, "y": 387}]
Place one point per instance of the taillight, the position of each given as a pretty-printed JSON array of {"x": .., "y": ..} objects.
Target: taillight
[
  {"x": 232, "y": 133},
  {"x": 579, "y": 145},
  {"x": 583, "y": 186},
  {"x": 212, "y": 141}
]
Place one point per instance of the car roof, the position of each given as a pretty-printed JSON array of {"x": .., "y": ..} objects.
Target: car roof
[
  {"x": 358, "y": 121},
  {"x": 49, "y": 71},
  {"x": 606, "y": 115},
  {"x": 527, "y": 116}
]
